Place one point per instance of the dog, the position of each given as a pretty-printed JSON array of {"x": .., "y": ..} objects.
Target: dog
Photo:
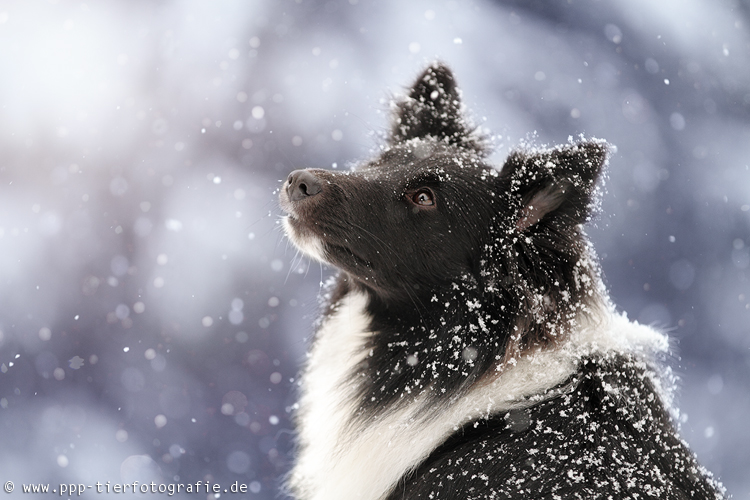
[{"x": 468, "y": 348}]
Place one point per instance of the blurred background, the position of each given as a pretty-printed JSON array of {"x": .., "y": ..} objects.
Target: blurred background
[{"x": 152, "y": 315}]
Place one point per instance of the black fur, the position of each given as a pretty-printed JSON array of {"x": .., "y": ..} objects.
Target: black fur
[
  {"x": 495, "y": 265},
  {"x": 602, "y": 434}
]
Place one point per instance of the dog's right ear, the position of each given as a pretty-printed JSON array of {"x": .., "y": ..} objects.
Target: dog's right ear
[
  {"x": 433, "y": 109},
  {"x": 558, "y": 185}
]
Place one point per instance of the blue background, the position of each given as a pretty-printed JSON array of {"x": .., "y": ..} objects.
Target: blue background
[{"x": 152, "y": 314}]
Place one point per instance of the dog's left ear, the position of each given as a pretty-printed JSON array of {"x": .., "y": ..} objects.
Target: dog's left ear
[
  {"x": 433, "y": 109},
  {"x": 557, "y": 185}
]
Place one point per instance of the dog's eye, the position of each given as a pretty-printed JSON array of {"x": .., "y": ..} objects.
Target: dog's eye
[{"x": 423, "y": 197}]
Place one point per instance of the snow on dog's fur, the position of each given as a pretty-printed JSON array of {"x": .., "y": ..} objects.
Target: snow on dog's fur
[{"x": 469, "y": 349}]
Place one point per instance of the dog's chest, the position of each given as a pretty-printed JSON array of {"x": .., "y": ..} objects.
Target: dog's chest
[
  {"x": 326, "y": 404},
  {"x": 340, "y": 458}
]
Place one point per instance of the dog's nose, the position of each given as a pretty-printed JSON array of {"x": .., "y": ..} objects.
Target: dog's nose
[{"x": 302, "y": 184}]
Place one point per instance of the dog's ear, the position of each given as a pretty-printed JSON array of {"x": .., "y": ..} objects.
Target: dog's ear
[
  {"x": 556, "y": 185},
  {"x": 433, "y": 109}
]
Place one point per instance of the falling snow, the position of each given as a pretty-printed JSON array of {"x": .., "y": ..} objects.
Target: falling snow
[{"x": 138, "y": 177}]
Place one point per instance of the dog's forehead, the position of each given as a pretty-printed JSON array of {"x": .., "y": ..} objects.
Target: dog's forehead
[{"x": 420, "y": 159}]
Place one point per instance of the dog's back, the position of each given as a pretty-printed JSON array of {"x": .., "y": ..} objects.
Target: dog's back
[{"x": 469, "y": 349}]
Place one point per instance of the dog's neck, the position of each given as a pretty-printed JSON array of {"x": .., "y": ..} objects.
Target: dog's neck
[{"x": 344, "y": 457}]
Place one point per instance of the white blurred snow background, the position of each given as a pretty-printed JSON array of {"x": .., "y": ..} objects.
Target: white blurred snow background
[{"x": 151, "y": 313}]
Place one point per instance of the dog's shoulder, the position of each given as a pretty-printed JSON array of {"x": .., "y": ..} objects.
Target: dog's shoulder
[{"x": 604, "y": 430}]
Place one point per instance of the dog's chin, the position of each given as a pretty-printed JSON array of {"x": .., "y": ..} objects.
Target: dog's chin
[{"x": 309, "y": 244}]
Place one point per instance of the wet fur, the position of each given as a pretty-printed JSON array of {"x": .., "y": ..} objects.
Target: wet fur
[{"x": 468, "y": 348}]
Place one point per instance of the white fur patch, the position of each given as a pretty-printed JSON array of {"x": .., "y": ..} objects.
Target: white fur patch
[
  {"x": 326, "y": 386},
  {"x": 309, "y": 245},
  {"x": 337, "y": 462}
]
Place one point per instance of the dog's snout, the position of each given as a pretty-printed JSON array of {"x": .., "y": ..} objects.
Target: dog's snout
[{"x": 302, "y": 184}]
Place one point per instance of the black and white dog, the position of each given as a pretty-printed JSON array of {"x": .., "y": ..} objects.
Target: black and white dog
[{"x": 468, "y": 349}]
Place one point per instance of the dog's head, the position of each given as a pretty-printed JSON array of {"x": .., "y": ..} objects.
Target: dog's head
[{"x": 429, "y": 212}]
